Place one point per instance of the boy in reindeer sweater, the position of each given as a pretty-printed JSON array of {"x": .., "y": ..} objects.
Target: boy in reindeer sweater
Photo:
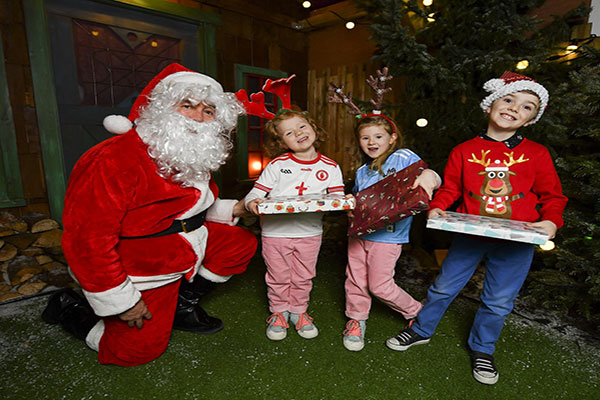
[{"x": 498, "y": 174}]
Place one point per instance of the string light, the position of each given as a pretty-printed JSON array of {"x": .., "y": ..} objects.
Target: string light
[
  {"x": 549, "y": 245},
  {"x": 350, "y": 25},
  {"x": 427, "y": 3},
  {"x": 306, "y": 4},
  {"x": 572, "y": 47},
  {"x": 430, "y": 17},
  {"x": 523, "y": 64},
  {"x": 422, "y": 122}
]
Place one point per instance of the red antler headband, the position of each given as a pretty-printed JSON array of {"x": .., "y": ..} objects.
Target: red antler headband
[
  {"x": 377, "y": 84},
  {"x": 256, "y": 105}
]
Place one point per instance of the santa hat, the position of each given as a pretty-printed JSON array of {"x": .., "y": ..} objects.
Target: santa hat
[
  {"x": 511, "y": 82},
  {"x": 174, "y": 73}
]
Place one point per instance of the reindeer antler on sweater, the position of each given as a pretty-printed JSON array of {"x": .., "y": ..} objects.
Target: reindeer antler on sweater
[
  {"x": 337, "y": 96},
  {"x": 256, "y": 105},
  {"x": 378, "y": 85}
]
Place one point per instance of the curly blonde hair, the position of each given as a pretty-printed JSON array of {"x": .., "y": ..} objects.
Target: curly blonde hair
[
  {"x": 274, "y": 144},
  {"x": 390, "y": 127}
]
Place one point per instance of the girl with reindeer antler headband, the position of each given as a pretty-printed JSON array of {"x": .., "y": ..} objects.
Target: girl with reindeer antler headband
[
  {"x": 290, "y": 242},
  {"x": 372, "y": 258}
]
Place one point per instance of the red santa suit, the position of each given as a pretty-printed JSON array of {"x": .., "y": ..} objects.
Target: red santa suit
[{"x": 115, "y": 193}]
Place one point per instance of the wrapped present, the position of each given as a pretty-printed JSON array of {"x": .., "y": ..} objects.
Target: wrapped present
[
  {"x": 498, "y": 228},
  {"x": 302, "y": 204},
  {"x": 388, "y": 201}
]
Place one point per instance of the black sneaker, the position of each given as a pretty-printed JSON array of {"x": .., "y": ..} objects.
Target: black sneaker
[
  {"x": 406, "y": 339},
  {"x": 484, "y": 370}
]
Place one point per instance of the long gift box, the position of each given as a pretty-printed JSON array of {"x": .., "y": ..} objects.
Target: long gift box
[
  {"x": 388, "y": 201},
  {"x": 491, "y": 227},
  {"x": 302, "y": 204}
]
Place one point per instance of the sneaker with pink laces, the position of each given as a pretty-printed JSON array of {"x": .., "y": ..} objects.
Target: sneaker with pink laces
[
  {"x": 304, "y": 325},
  {"x": 277, "y": 325},
  {"x": 354, "y": 335}
]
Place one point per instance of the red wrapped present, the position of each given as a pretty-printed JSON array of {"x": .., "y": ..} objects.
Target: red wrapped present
[{"x": 388, "y": 201}]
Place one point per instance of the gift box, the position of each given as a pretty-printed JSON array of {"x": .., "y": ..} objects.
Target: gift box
[
  {"x": 491, "y": 227},
  {"x": 302, "y": 204},
  {"x": 388, "y": 201}
]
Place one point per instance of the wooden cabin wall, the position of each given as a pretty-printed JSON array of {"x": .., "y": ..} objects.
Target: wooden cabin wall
[{"x": 20, "y": 87}]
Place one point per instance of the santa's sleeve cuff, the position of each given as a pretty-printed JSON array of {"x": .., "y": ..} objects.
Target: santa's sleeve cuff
[
  {"x": 114, "y": 301},
  {"x": 222, "y": 212}
]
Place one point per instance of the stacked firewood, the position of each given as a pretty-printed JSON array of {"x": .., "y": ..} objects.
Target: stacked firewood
[{"x": 31, "y": 257}]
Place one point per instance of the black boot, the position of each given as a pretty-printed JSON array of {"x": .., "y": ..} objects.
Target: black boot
[
  {"x": 72, "y": 312},
  {"x": 189, "y": 316}
]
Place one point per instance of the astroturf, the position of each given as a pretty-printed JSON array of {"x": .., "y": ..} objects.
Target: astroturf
[{"x": 39, "y": 361}]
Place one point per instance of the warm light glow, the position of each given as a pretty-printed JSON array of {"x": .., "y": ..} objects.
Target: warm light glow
[
  {"x": 154, "y": 43},
  {"x": 549, "y": 245},
  {"x": 430, "y": 17},
  {"x": 522, "y": 64},
  {"x": 427, "y": 3},
  {"x": 350, "y": 25},
  {"x": 256, "y": 166},
  {"x": 422, "y": 122},
  {"x": 572, "y": 47},
  {"x": 306, "y": 4},
  {"x": 95, "y": 33}
]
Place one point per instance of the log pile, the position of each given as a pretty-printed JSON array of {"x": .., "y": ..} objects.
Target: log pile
[{"x": 31, "y": 257}]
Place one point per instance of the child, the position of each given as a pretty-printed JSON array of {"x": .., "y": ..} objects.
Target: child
[
  {"x": 291, "y": 242},
  {"x": 515, "y": 101},
  {"x": 372, "y": 258}
]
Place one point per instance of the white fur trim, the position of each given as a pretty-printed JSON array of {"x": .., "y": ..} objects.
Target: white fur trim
[
  {"x": 194, "y": 78},
  {"x": 114, "y": 301},
  {"x": 117, "y": 124},
  {"x": 211, "y": 276},
  {"x": 516, "y": 86},
  {"x": 222, "y": 212},
  {"x": 197, "y": 239},
  {"x": 94, "y": 335}
]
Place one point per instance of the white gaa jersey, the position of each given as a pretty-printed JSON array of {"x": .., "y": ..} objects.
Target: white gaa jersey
[{"x": 286, "y": 175}]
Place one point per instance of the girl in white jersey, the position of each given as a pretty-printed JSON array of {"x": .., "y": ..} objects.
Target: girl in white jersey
[
  {"x": 291, "y": 242},
  {"x": 372, "y": 258}
]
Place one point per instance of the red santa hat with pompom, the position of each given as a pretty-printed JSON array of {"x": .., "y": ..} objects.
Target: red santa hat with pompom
[
  {"x": 176, "y": 73},
  {"x": 511, "y": 82}
]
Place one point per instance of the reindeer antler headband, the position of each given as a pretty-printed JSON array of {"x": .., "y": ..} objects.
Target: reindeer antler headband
[
  {"x": 377, "y": 84},
  {"x": 256, "y": 105}
]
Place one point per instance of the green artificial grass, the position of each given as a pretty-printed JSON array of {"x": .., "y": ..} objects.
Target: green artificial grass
[{"x": 40, "y": 361}]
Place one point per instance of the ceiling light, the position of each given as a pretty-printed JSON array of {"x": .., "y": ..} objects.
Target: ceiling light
[
  {"x": 350, "y": 25},
  {"x": 306, "y": 4},
  {"x": 422, "y": 122}
]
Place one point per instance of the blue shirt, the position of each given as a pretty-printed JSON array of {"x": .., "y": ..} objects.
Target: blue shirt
[{"x": 400, "y": 159}]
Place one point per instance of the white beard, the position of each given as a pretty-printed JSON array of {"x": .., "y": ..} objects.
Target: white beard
[{"x": 184, "y": 150}]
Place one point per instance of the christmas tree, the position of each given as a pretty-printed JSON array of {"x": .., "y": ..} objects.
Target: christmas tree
[{"x": 446, "y": 51}]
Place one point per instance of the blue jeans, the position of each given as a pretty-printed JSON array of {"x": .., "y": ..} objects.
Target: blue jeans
[{"x": 506, "y": 267}]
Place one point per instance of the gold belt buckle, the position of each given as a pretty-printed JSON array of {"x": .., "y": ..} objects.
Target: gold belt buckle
[{"x": 184, "y": 226}]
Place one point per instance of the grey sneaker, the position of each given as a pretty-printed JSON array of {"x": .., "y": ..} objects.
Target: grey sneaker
[
  {"x": 484, "y": 370},
  {"x": 304, "y": 325},
  {"x": 277, "y": 325},
  {"x": 406, "y": 339},
  {"x": 354, "y": 335}
]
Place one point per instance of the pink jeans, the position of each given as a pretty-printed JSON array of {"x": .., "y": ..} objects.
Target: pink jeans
[
  {"x": 291, "y": 266},
  {"x": 371, "y": 269}
]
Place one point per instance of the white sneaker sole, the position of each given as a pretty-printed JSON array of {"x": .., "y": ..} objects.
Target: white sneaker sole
[
  {"x": 393, "y": 344},
  {"x": 486, "y": 380},
  {"x": 276, "y": 335},
  {"x": 353, "y": 345},
  {"x": 310, "y": 334}
]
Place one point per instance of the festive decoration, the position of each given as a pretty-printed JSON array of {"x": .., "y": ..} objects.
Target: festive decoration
[
  {"x": 511, "y": 82},
  {"x": 377, "y": 83},
  {"x": 498, "y": 228},
  {"x": 302, "y": 204},
  {"x": 388, "y": 201},
  {"x": 256, "y": 105}
]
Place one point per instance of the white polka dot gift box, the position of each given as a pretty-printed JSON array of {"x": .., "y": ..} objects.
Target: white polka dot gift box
[{"x": 303, "y": 204}]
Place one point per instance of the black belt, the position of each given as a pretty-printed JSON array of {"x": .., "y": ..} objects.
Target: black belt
[{"x": 178, "y": 225}]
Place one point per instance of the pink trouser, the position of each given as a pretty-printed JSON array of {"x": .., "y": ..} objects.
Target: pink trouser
[
  {"x": 291, "y": 266},
  {"x": 371, "y": 269}
]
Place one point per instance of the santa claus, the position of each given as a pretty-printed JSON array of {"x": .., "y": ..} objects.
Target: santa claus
[{"x": 145, "y": 234}]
